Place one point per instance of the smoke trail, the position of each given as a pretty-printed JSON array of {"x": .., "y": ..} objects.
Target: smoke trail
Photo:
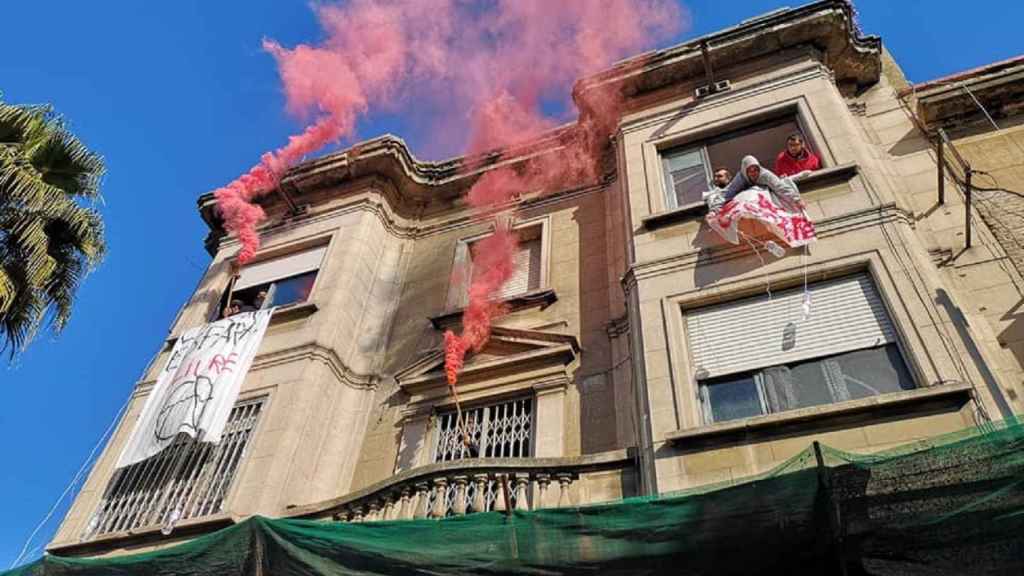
[
  {"x": 486, "y": 65},
  {"x": 545, "y": 47}
]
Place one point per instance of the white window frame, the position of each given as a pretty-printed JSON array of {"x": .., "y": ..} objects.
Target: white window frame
[
  {"x": 702, "y": 390},
  {"x": 458, "y": 295},
  {"x": 184, "y": 481}
]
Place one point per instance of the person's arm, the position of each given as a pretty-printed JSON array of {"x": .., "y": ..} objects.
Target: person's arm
[
  {"x": 784, "y": 187},
  {"x": 814, "y": 163},
  {"x": 779, "y": 159}
]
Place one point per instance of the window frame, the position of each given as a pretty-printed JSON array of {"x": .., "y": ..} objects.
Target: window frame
[
  {"x": 320, "y": 243},
  {"x": 757, "y": 375},
  {"x": 226, "y": 467},
  {"x": 702, "y": 138},
  {"x": 781, "y": 282},
  {"x": 458, "y": 296},
  {"x": 483, "y": 404}
]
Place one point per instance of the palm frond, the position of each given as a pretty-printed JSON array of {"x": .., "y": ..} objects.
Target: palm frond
[{"x": 49, "y": 241}]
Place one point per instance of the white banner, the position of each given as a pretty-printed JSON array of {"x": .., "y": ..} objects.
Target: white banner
[{"x": 196, "y": 390}]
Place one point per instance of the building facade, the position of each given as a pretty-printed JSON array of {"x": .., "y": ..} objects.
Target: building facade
[{"x": 641, "y": 354}]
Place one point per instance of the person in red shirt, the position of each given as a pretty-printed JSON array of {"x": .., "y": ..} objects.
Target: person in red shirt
[{"x": 796, "y": 158}]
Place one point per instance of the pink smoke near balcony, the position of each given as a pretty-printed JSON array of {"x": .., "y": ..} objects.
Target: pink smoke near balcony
[{"x": 483, "y": 72}]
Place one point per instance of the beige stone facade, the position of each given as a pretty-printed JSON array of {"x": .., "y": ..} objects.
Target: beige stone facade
[{"x": 599, "y": 344}]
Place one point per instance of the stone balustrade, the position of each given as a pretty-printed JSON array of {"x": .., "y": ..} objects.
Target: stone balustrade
[{"x": 475, "y": 485}]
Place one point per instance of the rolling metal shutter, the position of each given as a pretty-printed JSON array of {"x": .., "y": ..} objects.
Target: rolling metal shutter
[
  {"x": 527, "y": 274},
  {"x": 846, "y": 314},
  {"x": 277, "y": 268}
]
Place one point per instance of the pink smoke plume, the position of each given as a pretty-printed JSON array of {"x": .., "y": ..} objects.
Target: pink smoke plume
[{"x": 489, "y": 64}]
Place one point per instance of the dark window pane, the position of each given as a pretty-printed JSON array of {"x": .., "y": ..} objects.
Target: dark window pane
[
  {"x": 764, "y": 142},
  {"x": 839, "y": 378},
  {"x": 294, "y": 289},
  {"x": 868, "y": 373},
  {"x": 733, "y": 398}
]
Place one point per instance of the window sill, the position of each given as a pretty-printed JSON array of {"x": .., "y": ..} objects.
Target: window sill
[
  {"x": 282, "y": 314},
  {"x": 142, "y": 536},
  {"x": 294, "y": 311},
  {"x": 813, "y": 181},
  {"x": 535, "y": 299},
  {"x": 783, "y": 422}
]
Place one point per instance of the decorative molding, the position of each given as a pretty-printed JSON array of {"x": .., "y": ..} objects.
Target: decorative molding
[
  {"x": 547, "y": 357},
  {"x": 536, "y": 299},
  {"x": 829, "y": 25},
  {"x": 611, "y": 460},
  {"x": 783, "y": 422},
  {"x": 829, "y": 227},
  {"x": 320, "y": 353}
]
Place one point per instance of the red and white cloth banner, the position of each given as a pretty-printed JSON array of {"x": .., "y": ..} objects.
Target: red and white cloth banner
[
  {"x": 198, "y": 386},
  {"x": 759, "y": 206}
]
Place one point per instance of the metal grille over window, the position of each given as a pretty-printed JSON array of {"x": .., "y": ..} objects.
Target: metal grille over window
[
  {"x": 502, "y": 430},
  {"x": 186, "y": 480}
]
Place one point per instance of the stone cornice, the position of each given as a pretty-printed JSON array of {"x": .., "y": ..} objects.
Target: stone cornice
[
  {"x": 320, "y": 353},
  {"x": 827, "y": 25},
  {"x": 416, "y": 186},
  {"x": 950, "y": 101}
]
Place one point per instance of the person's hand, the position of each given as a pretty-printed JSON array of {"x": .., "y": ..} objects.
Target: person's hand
[{"x": 801, "y": 175}]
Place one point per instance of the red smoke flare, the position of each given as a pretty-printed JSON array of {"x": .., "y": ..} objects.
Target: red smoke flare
[{"x": 499, "y": 61}]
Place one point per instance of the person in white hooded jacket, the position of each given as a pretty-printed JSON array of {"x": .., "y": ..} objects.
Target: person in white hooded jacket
[{"x": 751, "y": 174}]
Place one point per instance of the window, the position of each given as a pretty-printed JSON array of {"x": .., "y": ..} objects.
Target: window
[
  {"x": 502, "y": 430},
  {"x": 529, "y": 272},
  {"x": 278, "y": 281},
  {"x": 688, "y": 169},
  {"x": 760, "y": 356},
  {"x": 185, "y": 480}
]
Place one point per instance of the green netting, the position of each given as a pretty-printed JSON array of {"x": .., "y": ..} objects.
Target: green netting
[{"x": 951, "y": 505}]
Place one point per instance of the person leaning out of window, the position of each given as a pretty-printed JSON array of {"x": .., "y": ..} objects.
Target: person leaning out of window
[
  {"x": 715, "y": 197},
  {"x": 796, "y": 160},
  {"x": 751, "y": 175}
]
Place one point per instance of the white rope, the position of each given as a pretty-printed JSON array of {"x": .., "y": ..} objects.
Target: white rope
[
  {"x": 767, "y": 279},
  {"x": 81, "y": 470}
]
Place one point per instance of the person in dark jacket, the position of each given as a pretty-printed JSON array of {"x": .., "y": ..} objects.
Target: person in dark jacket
[{"x": 796, "y": 158}]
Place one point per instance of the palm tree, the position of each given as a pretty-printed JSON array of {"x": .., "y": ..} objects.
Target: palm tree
[{"x": 50, "y": 234}]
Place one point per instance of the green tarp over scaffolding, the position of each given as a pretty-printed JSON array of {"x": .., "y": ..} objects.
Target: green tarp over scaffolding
[{"x": 951, "y": 505}]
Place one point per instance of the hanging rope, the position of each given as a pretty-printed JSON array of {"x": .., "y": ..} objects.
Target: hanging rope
[
  {"x": 459, "y": 422},
  {"x": 767, "y": 280}
]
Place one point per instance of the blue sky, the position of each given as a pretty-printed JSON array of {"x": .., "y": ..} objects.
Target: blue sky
[{"x": 179, "y": 98}]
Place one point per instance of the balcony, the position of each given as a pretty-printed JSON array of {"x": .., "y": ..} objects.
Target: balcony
[{"x": 461, "y": 487}]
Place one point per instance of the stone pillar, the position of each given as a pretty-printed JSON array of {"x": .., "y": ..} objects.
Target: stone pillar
[
  {"x": 406, "y": 511},
  {"x": 499, "y": 500},
  {"x": 521, "y": 483},
  {"x": 563, "y": 490},
  {"x": 550, "y": 417},
  {"x": 543, "y": 481},
  {"x": 415, "y": 447},
  {"x": 480, "y": 495},
  {"x": 440, "y": 505},
  {"x": 421, "y": 499},
  {"x": 459, "y": 505}
]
